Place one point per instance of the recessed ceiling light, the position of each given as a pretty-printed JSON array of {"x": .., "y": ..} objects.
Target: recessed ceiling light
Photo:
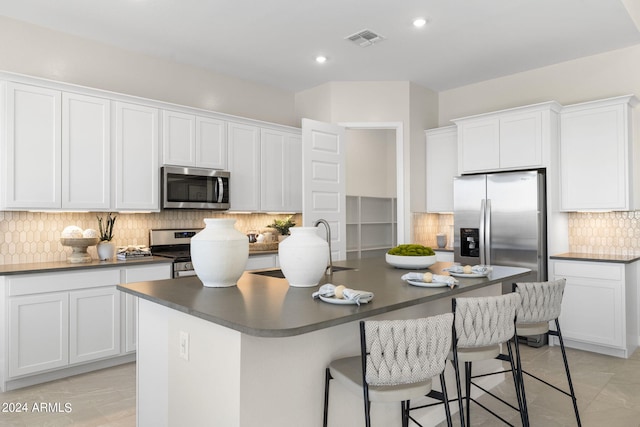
[
  {"x": 419, "y": 22},
  {"x": 321, "y": 59}
]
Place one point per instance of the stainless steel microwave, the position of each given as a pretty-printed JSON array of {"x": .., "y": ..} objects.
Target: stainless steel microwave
[{"x": 194, "y": 188}]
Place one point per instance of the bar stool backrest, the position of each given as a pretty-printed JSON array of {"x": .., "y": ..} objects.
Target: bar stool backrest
[
  {"x": 541, "y": 301},
  {"x": 406, "y": 351},
  {"x": 485, "y": 321}
]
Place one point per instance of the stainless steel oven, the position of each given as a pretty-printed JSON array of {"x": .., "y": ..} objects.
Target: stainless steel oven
[
  {"x": 174, "y": 244},
  {"x": 194, "y": 188}
]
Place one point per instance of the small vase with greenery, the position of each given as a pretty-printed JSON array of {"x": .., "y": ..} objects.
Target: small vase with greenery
[
  {"x": 106, "y": 249},
  {"x": 283, "y": 225}
]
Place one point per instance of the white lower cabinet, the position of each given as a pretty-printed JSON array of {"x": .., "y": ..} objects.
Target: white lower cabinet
[
  {"x": 38, "y": 333},
  {"x": 599, "y": 306},
  {"x": 258, "y": 262},
  {"x": 444, "y": 256},
  {"x": 64, "y": 320},
  {"x": 94, "y": 324}
]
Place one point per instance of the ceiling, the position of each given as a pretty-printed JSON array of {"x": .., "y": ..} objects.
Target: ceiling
[{"x": 275, "y": 41}]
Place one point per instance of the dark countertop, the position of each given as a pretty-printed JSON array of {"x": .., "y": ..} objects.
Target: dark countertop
[
  {"x": 48, "y": 267},
  {"x": 577, "y": 256},
  {"x": 268, "y": 307}
]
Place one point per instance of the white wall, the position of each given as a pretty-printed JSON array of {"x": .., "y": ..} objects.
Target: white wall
[
  {"x": 595, "y": 77},
  {"x": 371, "y": 162},
  {"x": 37, "y": 51},
  {"x": 404, "y": 102}
]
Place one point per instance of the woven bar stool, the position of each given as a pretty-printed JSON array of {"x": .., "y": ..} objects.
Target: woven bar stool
[
  {"x": 481, "y": 325},
  {"x": 540, "y": 305},
  {"x": 397, "y": 361}
]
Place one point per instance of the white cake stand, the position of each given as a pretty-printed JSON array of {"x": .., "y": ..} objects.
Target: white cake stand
[{"x": 79, "y": 247}]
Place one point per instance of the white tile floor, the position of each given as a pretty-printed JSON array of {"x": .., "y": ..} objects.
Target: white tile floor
[
  {"x": 101, "y": 398},
  {"x": 608, "y": 390}
]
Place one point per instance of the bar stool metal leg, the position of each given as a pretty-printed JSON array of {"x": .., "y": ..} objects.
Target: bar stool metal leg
[
  {"x": 445, "y": 399},
  {"x": 327, "y": 379},
  {"x": 558, "y": 333},
  {"x": 516, "y": 370},
  {"x": 456, "y": 367}
]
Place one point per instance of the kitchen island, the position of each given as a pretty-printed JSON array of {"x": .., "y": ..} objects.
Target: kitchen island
[{"x": 254, "y": 354}]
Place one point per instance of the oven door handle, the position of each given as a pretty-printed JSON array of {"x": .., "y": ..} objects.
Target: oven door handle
[{"x": 185, "y": 273}]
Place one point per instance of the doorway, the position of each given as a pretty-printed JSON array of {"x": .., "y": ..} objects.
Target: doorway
[
  {"x": 371, "y": 192},
  {"x": 402, "y": 198}
]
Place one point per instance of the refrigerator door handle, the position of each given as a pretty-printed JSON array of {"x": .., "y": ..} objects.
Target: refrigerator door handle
[
  {"x": 487, "y": 237},
  {"x": 481, "y": 231}
]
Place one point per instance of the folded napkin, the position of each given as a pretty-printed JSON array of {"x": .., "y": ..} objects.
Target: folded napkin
[
  {"x": 476, "y": 269},
  {"x": 329, "y": 290},
  {"x": 451, "y": 281}
]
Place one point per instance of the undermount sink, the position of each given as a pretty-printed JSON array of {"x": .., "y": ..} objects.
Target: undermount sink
[{"x": 278, "y": 273}]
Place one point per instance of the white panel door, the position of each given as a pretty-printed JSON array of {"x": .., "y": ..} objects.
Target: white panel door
[
  {"x": 244, "y": 165},
  {"x": 137, "y": 173},
  {"x": 479, "y": 145},
  {"x": 293, "y": 176},
  {"x": 272, "y": 170},
  {"x": 32, "y": 148},
  {"x": 94, "y": 324},
  {"x": 324, "y": 186},
  {"x": 521, "y": 140},
  {"x": 442, "y": 158},
  {"x": 38, "y": 333},
  {"x": 594, "y": 159},
  {"x": 211, "y": 143},
  {"x": 178, "y": 139},
  {"x": 86, "y": 148}
]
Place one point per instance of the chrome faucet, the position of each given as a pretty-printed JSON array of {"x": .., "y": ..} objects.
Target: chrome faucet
[{"x": 329, "y": 270}]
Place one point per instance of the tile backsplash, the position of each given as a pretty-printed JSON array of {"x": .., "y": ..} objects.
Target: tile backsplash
[
  {"x": 427, "y": 226},
  {"x": 606, "y": 233},
  {"x": 35, "y": 236}
]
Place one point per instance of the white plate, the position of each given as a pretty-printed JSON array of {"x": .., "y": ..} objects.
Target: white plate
[
  {"x": 341, "y": 301},
  {"x": 427, "y": 284},
  {"x": 451, "y": 273}
]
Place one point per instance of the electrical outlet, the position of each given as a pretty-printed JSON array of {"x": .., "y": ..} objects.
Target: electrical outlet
[{"x": 183, "y": 345}]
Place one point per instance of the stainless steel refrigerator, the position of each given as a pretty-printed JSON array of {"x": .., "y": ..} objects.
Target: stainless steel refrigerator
[{"x": 500, "y": 219}]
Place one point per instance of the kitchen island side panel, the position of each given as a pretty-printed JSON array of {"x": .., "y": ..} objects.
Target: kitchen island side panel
[{"x": 239, "y": 380}]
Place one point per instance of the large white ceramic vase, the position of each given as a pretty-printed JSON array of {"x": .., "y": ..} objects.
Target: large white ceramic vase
[
  {"x": 219, "y": 253},
  {"x": 303, "y": 257}
]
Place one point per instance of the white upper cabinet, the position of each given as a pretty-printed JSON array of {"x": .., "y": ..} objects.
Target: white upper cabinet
[
  {"x": 596, "y": 155},
  {"x": 137, "y": 170},
  {"x": 178, "y": 138},
  {"x": 57, "y": 150},
  {"x": 244, "y": 166},
  {"x": 211, "y": 143},
  {"x": 479, "y": 145},
  {"x": 32, "y": 148},
  {"x": 506, "y": 140},
  {"x": 442, "y": 161},
  {"x": 190, "y": 140},
  {"x": 521, "y": 140},
  {"x": 281, "y": 171},
  {"x": 266, "y": 169},
  {"x": 86, "y": 152},
  {"x": 64, "y": 147}
]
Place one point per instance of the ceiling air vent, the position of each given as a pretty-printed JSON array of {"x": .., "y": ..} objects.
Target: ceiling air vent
[{"x": 365, "y": 38}]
